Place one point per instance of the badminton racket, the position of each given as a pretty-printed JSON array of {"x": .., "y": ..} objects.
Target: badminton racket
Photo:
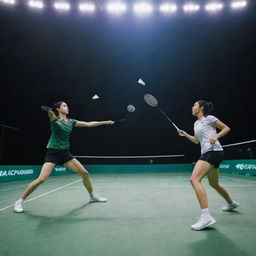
[
  {"x": 152, "y": 101},
  {"x": 130, "y": 109}
]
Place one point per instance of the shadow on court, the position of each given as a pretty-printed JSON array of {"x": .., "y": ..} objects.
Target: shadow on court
[
  {"x": 216, "y": 243},
  {"x": 234, "y": 212},
  {"x": 49, "y": 222}
]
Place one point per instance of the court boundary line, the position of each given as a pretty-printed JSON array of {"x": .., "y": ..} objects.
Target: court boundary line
[
  {"x": 44, "y": 194},
  {"x": 11, "y": 188},
  {"x": 176, "y": 186},
  {"x": 54, "y": 190},
  {"x": 232, "y": 178}
]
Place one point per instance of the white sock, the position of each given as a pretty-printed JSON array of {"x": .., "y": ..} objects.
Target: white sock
[
  {"x": 91, "y": 194},
  {"x": 20, "y": 200},
  {"x": 205, "y": 212}
]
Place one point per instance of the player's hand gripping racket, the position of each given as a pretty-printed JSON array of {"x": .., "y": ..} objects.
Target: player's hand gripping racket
[
  {"x": 130, "y": 109},
  {"x": 152, "y": 101}
]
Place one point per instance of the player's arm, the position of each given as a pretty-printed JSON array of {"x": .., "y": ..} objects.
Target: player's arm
[
  {"x": 51, "y": 114},
  {"x": 224, "y": 129},
  {"x": 93, "y": 123},
  {"x": 192, "y": 138}
]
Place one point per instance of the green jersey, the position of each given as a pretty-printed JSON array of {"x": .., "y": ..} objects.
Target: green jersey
[{"x": 60, "y": 133}]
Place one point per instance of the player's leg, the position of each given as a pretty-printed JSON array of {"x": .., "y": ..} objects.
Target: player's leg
[
  {"x": 200, "y": 170},
  {"x": 213, "y": 178},
  {"x": 75, "y": 166},
  {"x": 44, "y": 174}
]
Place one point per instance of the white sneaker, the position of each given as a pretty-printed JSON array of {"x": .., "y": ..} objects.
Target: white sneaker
[
  {"x": 203, "y": 222},
  {"x": 230, "y": 207},
  {"x": 97, "y": 199},
  {"x": 18, "y": 206}
]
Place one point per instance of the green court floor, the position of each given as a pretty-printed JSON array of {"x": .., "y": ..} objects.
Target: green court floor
[{"x": 146, "y": 215}]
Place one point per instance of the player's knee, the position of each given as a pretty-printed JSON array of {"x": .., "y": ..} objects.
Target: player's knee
[
  {"x": 213, "y": 184},
  {"x": 41, "y": 180},
  {"x": 85, "y": 174},
  {"x": 193, "y": 181}
]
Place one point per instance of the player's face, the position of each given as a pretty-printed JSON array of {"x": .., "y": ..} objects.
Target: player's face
[
  {"x": 196, "y": 109},
  {"x": 63, "y": 108}
]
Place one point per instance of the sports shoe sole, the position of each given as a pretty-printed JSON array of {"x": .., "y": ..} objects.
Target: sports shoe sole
[
  {"x": 18, "y": 211},
  {"x": 205, "y": 226},
  {"x": 230, "y": 210},
  {"x": 97, "y": 202}
]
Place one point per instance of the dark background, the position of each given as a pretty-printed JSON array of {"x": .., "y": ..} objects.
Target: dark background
[{"x": 46, "y": 57}]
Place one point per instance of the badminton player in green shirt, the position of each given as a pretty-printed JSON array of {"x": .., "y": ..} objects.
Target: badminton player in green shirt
[{"x": 58, "y": 151}]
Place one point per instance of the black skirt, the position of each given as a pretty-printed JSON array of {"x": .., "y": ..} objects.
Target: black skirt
[{"x": 57, "y": 156}]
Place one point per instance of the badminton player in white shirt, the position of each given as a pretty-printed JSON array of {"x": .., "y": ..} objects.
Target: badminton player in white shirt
[{"x": 205, "y": 133}]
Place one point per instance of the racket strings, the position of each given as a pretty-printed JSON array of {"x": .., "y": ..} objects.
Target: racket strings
[{"x": 150, "y": 100}]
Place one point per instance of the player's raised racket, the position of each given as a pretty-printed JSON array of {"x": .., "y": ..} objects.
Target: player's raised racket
[
  {"x": 130, "y": 109},
  {"x": 152, "y": 101}
]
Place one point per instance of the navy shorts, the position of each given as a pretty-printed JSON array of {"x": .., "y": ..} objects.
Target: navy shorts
[
  {"x": 57, "y": 156},
  {"x": 213, "y": 157}
]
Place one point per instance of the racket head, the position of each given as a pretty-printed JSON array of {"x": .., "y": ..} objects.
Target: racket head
[
  {"x": 150, "y": 100},
  {"x": 130, "y": 108}
]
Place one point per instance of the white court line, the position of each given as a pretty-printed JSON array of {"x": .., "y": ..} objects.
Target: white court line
[
  {"x": 139, "y": 181},
  {"x": 249, "y": 181},
  {"x": 7, "y": 207},
  {"x": 170, "y": 186},
  {"x": 11, "y": 188},
  {"x": 47, "y": 193}
]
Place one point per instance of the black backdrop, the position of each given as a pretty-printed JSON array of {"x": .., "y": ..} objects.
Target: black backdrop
[{"x": 46, "y": 57}]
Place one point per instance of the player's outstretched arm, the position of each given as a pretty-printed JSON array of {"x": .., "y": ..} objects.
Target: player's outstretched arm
[{"x": 93, "y": 123}]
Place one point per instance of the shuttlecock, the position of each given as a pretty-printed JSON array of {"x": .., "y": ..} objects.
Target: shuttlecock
[
  {"x": 140, "y": 81},
  {"x": 95, "y": 97}
]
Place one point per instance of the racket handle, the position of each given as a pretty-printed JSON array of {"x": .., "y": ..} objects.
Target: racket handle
[
  {"x": 175, "y": 126},
  {"x": 120, "y": 120},
  {"x": 168, "y": 118}
]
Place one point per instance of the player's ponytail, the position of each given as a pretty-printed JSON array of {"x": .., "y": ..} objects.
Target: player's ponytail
[{"x": 208, "y": 107}]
